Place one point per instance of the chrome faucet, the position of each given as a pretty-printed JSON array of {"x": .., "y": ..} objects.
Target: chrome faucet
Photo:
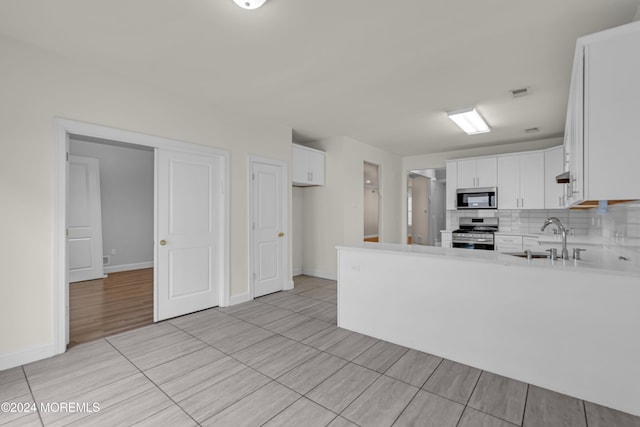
[{"x": 563, "y": 232}]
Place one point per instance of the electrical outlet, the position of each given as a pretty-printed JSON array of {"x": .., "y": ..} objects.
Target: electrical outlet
[{"x": 113, "y": 251}]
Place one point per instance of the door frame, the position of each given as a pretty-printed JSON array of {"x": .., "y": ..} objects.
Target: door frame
[
  {"x": 63, "y": 128},
  {"x": 288, "y": 284}
]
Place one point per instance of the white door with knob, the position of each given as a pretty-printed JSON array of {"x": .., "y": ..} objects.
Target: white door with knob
[
  {"x": 269, "y": 249},
  {"x": 84, "y": 220},
  {"x": 189, "y": 233}
]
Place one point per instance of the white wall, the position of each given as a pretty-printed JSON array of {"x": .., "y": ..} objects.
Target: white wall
[
  {"x": 371, "y": 211},
  {"x": 334, "y": 213},
  {"x": 126, "y": 190},
  {"x": 38, "y": 86},
  {"x": 297, "y": 228}
]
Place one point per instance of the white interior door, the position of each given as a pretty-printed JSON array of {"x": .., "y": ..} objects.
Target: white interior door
[
  {"x": 189, "y": 233},
  {"x": 84, "y": 220},
  {"x": 268, "y": 241}
]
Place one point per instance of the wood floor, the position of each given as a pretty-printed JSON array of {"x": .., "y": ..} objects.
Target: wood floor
[{"x": 103, "y": 307}]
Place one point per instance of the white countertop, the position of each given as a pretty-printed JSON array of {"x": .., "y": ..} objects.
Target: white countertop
[{"x": 592, "y": 263}]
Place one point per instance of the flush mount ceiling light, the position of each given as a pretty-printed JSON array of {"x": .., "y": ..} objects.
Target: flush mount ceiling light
[
  {"x": 249, "y": 4},
  {"x": 469, "y": 121}
]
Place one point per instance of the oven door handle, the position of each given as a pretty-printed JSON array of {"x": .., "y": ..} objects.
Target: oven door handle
[{"x": 483, "y": 241}]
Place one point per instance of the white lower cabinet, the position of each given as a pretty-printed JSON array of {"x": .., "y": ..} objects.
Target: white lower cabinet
[
  {"x": 508, "y": 243},
  {"x": 447, "y": 238},
  {"x": 529, "y": 242},
  {"x": 515, "y": 242}
]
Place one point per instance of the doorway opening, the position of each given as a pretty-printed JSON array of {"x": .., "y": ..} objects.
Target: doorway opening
[
  {"x": 426, "y": 206},
  {"x": 116, "y": 295},
  {"x": 190, "y": 223},
  {"x": 371, "y": 206}
]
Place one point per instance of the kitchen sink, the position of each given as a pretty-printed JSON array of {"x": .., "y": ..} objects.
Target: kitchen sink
[{"x": 524, "y": 254}]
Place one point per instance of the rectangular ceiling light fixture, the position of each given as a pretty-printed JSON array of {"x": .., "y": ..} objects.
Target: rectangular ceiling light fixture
[{"x": 469, "y": 121}]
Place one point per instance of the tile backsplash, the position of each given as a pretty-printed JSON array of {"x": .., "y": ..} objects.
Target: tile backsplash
[{"x": 620, "y": 226}]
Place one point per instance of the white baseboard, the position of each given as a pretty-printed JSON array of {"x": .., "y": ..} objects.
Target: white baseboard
[
  {"x": 289, "y": 285},
  {"x": 297, "y": 272},
  {"x": 239, "y": 299},
  {"x": 320, "y": 274},
  {"x": 27, "y": 355},
  {"x": 128, "y": 267}
]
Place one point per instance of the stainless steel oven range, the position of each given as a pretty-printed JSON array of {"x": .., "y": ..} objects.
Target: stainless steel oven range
[{"x": 475, "y": 233}]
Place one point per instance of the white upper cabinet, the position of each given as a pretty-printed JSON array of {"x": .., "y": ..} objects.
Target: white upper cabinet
[
  {"x": 452, "y": 184},
  {"x": 509, "y": 182},
  {"x": 554, "y": 193},
  {"x": 532, "y": 181},
  {"x": 308, "y": 166},
  {"x": 602, "y": 134},
  {"x": 475, "y": 173},
  {"x": 521, "y": 181}
]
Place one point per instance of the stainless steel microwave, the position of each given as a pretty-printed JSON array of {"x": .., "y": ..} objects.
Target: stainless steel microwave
[{"x": 477, "y": 198}]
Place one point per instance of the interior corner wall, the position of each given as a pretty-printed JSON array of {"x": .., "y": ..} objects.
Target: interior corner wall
[
  {"x": 297, "y": 229},
  {"x": 126, "y": 191},
  {"x": 637, "y": 15},
  {"x": 334, "y": 213},
  {"x": 38, "y": 86}
]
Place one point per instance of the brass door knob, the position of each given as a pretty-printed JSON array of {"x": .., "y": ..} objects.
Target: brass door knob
[
  {"x": 280, "y": 234},
  {"x": 163, "y": 242}
]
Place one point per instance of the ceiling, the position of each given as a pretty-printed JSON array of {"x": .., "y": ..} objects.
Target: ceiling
[{"x": 382, "y": 72}]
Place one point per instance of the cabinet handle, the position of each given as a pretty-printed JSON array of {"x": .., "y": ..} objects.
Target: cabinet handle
[{"x": 522, "y": 203}]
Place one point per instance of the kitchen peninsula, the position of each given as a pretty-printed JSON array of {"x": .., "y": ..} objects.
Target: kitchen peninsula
[{"x": 548, "y": 324}]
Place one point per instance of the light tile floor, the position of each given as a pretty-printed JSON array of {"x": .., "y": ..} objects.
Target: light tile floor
[{"x": 277, "y": 361}]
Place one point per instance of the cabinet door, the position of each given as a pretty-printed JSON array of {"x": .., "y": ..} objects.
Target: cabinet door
[
  {"x": 611, "y": 99},
  {"x": 486, "y": 172},
  {"x": 315, "y": 167},
  {"x": 446, "y": 239},
  {"x": 452, "y": 184},
  {"x": 508, "y": 243},
  {"x": 573, "y": 142},
  {"x": 467, "y": 173},
  {"x": 553, "y": 166},
  {"x": 509, "y": 182},
  {"x": 530, "y": 243},
  {"x": 299, "y": 167},
  {"x": 532, "y": 181}
]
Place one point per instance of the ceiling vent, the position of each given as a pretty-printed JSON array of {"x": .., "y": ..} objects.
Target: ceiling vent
[
  {"x": 531, "y": 130},
  {"x": 517, "y": 93}
]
